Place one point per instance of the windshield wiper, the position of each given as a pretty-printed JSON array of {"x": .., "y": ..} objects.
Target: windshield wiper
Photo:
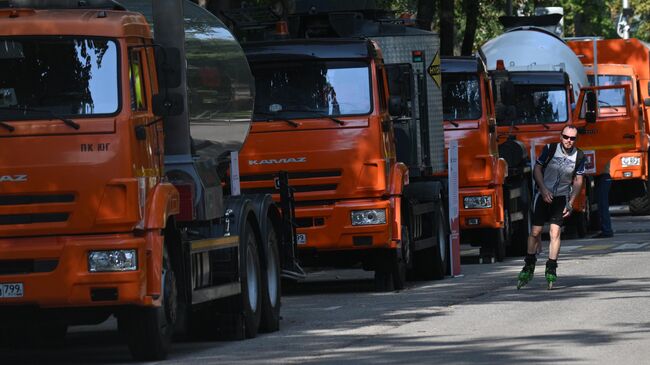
[
  {"x": 49, "y": 113},
  {"x": 317, "y": 114},
  {"x": 607, "y": 104},
  {"x": 453, "y": 123},
  {"x": 8, "y": 127},
  {"x": 273, "y": 117}
]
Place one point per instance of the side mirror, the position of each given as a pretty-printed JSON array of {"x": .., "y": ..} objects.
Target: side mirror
[
  {"x": 396, "y": 106},
  {"x": 646, "y": 101},
  {"x": 592, "y": 105},
  {"x": 168, "y": 65},
  {"x": 400, "y": 89},
  {"x": 167, "y": 105},
  {"x": 507, "y": 92}
]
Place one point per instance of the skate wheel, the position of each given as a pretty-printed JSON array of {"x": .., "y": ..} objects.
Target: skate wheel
[{"x": 550, "y": 285}]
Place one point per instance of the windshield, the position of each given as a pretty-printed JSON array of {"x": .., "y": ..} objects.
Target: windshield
[
  {"x": 611, "y": 97},
  {"x": 305, "y": 88},
  {"x": 538, "y": 104},
  {"x": 461, "y": 97},
  {"x": 69, "y": 76}
]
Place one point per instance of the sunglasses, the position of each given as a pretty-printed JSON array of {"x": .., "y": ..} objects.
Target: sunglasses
[{"x": 569, "y": 138}]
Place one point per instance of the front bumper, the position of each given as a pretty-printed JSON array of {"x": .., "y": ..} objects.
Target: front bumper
[
  {"x": 491, "y": 217},
  {"x": 70, "y": 284},
  {"x": 329, "y": 227}
]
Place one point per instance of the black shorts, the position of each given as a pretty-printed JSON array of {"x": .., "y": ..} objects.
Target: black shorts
[{"x": 549, "y": 212}]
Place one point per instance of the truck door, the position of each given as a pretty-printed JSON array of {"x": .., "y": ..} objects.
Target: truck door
[{"x": 615, "y": 129}]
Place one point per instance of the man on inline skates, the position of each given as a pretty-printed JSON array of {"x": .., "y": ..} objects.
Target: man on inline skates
[{"x": 559, "y": 177}]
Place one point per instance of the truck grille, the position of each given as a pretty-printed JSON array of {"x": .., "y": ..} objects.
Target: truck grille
[
  {"x": 301, "y": 182},
  {"x": 35, "y": 199},
  {"x": 13, "y": 267},
  {"x": 11, "y": 219}
]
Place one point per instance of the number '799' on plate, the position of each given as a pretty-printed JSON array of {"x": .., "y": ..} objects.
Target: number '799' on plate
[{"x": 11, "y": 290}]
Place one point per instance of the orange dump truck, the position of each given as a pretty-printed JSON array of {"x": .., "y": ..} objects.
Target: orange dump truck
[
  {"x": 364, "y": 182},
  {"x": 111, "y": 199},
  {"x": 618, "y": 141},
  {"x": 494, "y": 198}
]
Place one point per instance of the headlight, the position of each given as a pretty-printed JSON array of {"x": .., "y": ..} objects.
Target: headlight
[
  {"x": 477, "y": 202},
  {"x": 115, "y": 260},
  {"x": 630, "y": 161},
  {"x": 367, "y": 217}
]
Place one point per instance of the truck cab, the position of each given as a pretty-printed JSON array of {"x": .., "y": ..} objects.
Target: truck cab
[
  {"x": 486, "y": 209},
  {"x": 619, "y": 138}
]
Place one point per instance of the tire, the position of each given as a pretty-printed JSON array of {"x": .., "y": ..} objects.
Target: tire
[
  {"x": 518, "y": 245},
  {"x": 384, "y": 280},
  {"x": 499, "y": 240},
  {"x": 400, "y": 265},
  {"x": 271, "y": 283},
  {"x": 250, "y": 300},
  {"x": 149, "y": 330},
  {"x": 640, "y": 205},
  {"x": 431, "y": 263}
]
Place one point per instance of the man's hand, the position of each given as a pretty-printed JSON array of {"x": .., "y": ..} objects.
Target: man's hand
[
  {"x": 546, "y": 195},
  {"x": 567, "y": 209}
]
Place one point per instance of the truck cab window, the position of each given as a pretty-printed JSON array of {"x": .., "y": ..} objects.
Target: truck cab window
[
  {"x": 461, "y": 95},
  {"x": 538, "y": 104},
  {"x": 138, "y": 97},
  {"x": 69, "y": 76},
  {"x": 613, "y": 97},
  {"x": 308, "y": 88}
]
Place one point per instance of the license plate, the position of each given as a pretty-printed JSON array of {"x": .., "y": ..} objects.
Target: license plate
[
  {"x": 301, "y": 238},
  {"x": 11, "y": 290}
]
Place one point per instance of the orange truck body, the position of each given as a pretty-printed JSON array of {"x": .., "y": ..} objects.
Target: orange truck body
[
  {"x": 56, "y": 215},
  {"x": 94, "y": 220},
  {"x": 621, "y": 130},
  {"x": 334, "y": 170}
]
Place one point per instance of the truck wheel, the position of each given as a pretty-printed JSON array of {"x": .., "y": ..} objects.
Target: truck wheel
[
  {"x": 583, "y": 219},
  {"x": 250, "y": 299},
  {"x": 518, "y": 244},
  {"x": 271, "y": 283},
  {"x": 384, "y": 280},
  {"x": 431, "y": 263},
  {"x": 640, "y": 205},
  {"x": 149, "y": 330},
  {"x": 500, "y": 237}
]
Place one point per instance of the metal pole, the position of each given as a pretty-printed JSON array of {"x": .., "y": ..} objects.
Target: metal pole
[{"x": 595, "y": 61}]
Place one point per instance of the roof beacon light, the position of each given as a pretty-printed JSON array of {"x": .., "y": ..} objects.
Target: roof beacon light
[{"x": 500, "y": 65}]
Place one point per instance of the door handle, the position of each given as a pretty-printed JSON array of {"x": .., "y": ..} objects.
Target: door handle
[{"x": 628, "y": 136}]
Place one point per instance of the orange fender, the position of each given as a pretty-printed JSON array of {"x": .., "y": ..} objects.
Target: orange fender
[{"x": 164, "y": 202}]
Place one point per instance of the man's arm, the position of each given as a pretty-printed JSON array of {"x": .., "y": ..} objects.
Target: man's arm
[{"x": 576, "y": 188}]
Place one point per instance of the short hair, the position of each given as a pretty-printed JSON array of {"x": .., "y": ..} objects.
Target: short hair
[{"x": 569, "y": 127}]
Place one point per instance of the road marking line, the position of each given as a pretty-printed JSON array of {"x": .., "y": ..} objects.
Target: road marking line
[
  {"x": 596, "y": 247},
  {"x": 333, "y": 308},
  {"x": 631, "y": 246},
  {"x": 569, "y": 248}
]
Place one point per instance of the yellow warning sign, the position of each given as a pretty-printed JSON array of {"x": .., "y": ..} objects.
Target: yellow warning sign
[{"x": 434, "y": 70}]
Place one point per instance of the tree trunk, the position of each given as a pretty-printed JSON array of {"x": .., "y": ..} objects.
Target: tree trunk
[
  {"x": 471, "y": 14},
  {"x": 447, "y": 27},
  {"x": 426, "y": 10}
]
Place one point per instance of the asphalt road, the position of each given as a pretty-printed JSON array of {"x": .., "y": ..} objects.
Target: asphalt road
[{"x": 599, "y": 313}]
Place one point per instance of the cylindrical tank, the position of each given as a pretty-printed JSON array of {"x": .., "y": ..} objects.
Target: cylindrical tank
[
  {"x": 535, "y": 49},
  {"x": 220, "y": 85}
]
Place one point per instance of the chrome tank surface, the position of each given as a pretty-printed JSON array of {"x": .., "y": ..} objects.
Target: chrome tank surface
[{"x": 535, "y": 49}]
